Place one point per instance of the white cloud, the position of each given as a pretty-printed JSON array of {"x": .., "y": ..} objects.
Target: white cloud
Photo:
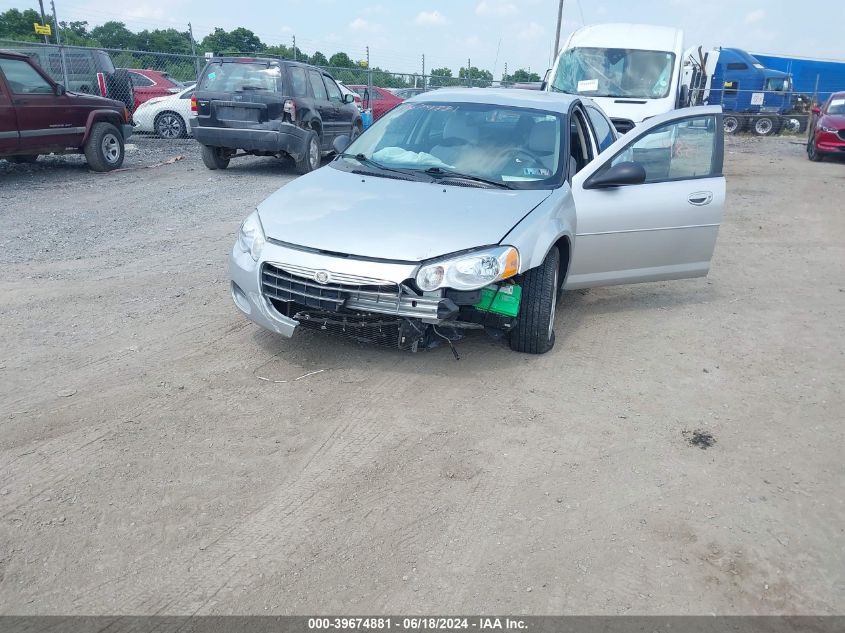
[
  {"x": 430, "y": 18},
  {"x": 530, "y": 31},
  {"x": 359, "y": 24},
  {"x": 755, "y": 16},
  {"x": 496, "y": 8}
]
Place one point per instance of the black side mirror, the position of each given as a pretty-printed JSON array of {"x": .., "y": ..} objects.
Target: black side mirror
[
  {"x": 340, "y": 143},
  {"x": 348, "y": 98},
  {"x": 60, "y": 90},
  {"x": 618, "y": 176}
]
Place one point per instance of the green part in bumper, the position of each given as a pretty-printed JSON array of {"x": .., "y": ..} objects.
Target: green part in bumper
[{"x": 503, "y": 300}]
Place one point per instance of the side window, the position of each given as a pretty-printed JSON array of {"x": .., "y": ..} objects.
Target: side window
[
  {"x": 375, "y": 95},
  {"x": 298, "y": 87},
  {"x": 140, "y": 81},
  {"x": 23, "y": 78},
  {"x": 333, "y": 90},
  {"x": 580, "y": 148},
  {"x": 677, "y": 150},
  {"x": 604, "y": 130},
  {"x": 317, "y": 85}
]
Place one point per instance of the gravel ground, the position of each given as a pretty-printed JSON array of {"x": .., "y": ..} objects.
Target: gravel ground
[{"x": 679, "y": 451}]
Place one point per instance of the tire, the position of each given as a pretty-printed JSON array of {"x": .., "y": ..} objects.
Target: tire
[
  {"x": 214, "y": 158},
  {"x": 765, "y": 125},
  {"x": 23, "y": 160},
  {"x": 812, "y": 151},
  {"x": 310, "y": 159},
  {"x": 170, "y": 125},
  {"x": 534, "y": 332},
  {"x": 733, "y": 124},
  {"x": 104, "y": 150}
]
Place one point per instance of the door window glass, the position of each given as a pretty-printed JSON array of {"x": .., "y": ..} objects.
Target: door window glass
[
  {"x": 317, "y": 85},
  {"x": 604, "y": 131},
  {"x": 333, "y": 90},
  {"x": 297, "y": 81},
  {"x": 23, "y": 78},
  {"x": 677, "y": 150},
  {"x": 580, "y": 147}
]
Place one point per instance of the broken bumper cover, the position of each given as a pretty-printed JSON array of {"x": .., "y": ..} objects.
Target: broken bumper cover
[
  {"x": 284, "y": 137},
  {"x": 263, "y": 289}
]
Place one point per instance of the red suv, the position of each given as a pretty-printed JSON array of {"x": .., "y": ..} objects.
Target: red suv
[
  {"x": 827, "y": 136},
  {"x": 148, "y": 84},
  {"x": 380, "y": 100},
  {"x": 38, "y": 116}
]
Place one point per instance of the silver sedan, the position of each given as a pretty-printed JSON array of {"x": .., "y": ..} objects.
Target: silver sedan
[{"x": 471, "y": 210}]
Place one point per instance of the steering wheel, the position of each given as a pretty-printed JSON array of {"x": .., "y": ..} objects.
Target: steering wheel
[{"x": 514, "y": 154}]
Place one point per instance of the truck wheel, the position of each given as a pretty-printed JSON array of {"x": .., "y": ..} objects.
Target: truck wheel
[
  {"x": 104, "y": 150},
  {"x": 764, "y": 126},
  {"x": 214, "y": 158},
  {"x": 310, "y": 159},
  {"x": 534, "y": 332},
  {"x": 732, "y": 124},
  {"x": 169, "y": 125},
  {"x": 23, "y": 160}
]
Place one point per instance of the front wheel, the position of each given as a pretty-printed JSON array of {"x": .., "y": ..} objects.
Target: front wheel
[
  {"x": 732, "y": 124},
  {"x": 534, "y": 332},
  {"x": 104, "y": 150},
  {"x": 214, "y": 158},
  {"x": 170, "y": 125},
  {"x": 813, "y": 152}
]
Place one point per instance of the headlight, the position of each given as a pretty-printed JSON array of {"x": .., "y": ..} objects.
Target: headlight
[
  {"x": 829, "y": 129},
  {"x": 470, "y": 271},
  {"x": 251, "y": 236}
]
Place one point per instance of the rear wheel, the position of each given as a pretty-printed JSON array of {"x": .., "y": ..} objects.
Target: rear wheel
[
  {"x": 170, "y": 125},
  {"x": 23, "y": 160},
  {"x": 104, "y": 150},
  {"x": 764, "y": 126},
  {"x": 310, "y": 159},
  {"x": 214, "y": 158},
  {"x": 534, "y": 332}
]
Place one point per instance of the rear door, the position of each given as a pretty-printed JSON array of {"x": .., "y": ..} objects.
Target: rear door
[
  {"x": 342, "y": 115},
  {"x": 45, "y": 120},
  {"x": 323, "y": 106},
  {"x": 8, "y": 120},
  {"x": 664, "y": 228}
]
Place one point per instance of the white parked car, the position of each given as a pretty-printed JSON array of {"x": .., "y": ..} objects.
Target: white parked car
[{"x": 166, "y": 117}]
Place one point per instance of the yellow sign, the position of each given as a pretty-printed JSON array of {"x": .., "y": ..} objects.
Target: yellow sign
[{"x": 42, "y": 29}]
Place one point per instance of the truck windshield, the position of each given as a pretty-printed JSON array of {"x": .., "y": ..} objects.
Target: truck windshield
[
  {"x": 239, "y": 76},
  {"x": 777, "y": 84},
  {"x": 510, "y": 147},
  {"x": 614, "y": 72}
]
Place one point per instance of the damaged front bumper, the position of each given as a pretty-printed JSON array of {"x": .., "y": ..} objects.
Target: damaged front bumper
[{"x": 365, "y": 300}]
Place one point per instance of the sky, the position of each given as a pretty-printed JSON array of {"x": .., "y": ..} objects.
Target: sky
[{"x": 490, "y": 33}]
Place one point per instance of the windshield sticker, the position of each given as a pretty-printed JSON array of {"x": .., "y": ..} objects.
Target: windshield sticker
[
  {"x": 588, "y": 85},
  {"x": 212, "y": 75},
  {"x": 837, "y": 102},
  {"x": 433, "y": 107},
  {"x": 537, "y": 171}
]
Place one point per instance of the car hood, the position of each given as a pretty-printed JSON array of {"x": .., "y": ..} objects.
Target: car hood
[
  {"x": 83, "y": 98},
  {"x": 368, "y": 216},
  {"x": 834, "y": 120}
]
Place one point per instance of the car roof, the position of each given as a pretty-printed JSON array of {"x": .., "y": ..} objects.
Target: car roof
[
  {"x": 551, "y": 101},
  {"x": 17, "y": 54},
  {"x": 259, "y": 58}
]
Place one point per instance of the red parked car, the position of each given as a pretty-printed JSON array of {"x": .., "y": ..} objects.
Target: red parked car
[
  {"x": 149, "y": 84},
  {"x": 827, "y": 135},
  {"x": 381, "y": 101}
]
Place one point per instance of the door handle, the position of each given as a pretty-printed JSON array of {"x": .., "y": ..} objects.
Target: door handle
[{"x": 701, "y": 198}]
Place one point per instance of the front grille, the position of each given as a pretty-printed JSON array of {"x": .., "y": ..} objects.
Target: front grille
[
  {"x": 296, "y": 284},
  {"x": 374, "y": 329},
  {"x": 842, "y": 134},
  {"x": 623, "y": 126}
]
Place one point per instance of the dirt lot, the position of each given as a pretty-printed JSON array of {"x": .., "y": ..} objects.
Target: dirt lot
[{"x": 146, "y": 468}]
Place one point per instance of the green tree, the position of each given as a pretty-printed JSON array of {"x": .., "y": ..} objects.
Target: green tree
[
  {"x": 522, "y": 76},
  {"x": 239, "y": 40},
  {"x": 318, "y": 59},
  {"x": 441, "y": 77},
  {"x": 76, "y": 34},
  {"x": 476, "y": 77},
  {"x": 114, "y": 34},
  {"x": 164, "y": 41},
  {"x": 17, "y": 25},
  {"x": 342, "y": 60}
]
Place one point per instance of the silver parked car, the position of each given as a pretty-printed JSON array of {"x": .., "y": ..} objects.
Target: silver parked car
[{"x": 472, "y": 209}]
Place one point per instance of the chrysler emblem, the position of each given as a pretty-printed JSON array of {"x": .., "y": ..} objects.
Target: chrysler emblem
[{"x": 322, "y": 277}]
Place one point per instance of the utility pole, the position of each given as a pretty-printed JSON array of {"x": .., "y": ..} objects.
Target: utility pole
[
  {"x": 294, "y": 48},
  {"x": 368, "y": 100},
  {"x": 194, "y": 51},
  {"x": 505, "y": 76},
  {"x": 59, "y": 42},
  {"x": 44, "y": 21},
  {"x": 423, "y": 71},
  {"x": 469, "y": 74},
  {"x": 557, "y": 30}
]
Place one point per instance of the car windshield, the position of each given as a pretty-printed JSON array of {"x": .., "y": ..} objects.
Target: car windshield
[
  {"x": 507, "y": 146},
  {"x": 837, "y": 106},
  {"x": 614, "y": 72},
  {"x": 239, "y": 76}
]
